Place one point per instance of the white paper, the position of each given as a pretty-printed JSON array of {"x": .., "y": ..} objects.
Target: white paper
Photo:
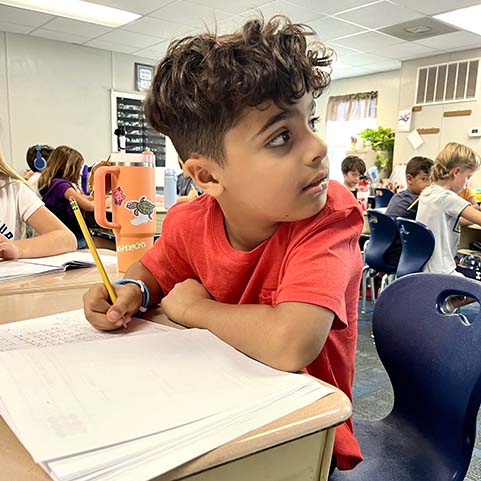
[
  {"x": 415, "y": 139},
  {"x": 404, "y": 120},
  {"x": 68, "y": 398}
]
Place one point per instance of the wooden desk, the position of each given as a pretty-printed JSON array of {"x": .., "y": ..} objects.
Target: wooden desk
[
  {"x": 295, "y": 447},
  {"x": 469, "y": 233},
  {"x": 81, "y": 278}
]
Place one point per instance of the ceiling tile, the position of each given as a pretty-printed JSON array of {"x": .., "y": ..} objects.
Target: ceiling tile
[
  {"x": 342, "y": 51},
  {"x": 188, "y": 13},
  {"x": 14, "y": 27},
  {"x": 330, "y": 28},
  {"x": 77, "y": 27},
  {"x": 329, "y": 7},
  {"x": 455, "y": 40},
  {"x": 112, "y": 46},
  {"x": 359, "y": 59},
  {"x": 157, "y": 28},
  {"x": 384, "y": 66},
  {"x": 23, "y": 17},
  {"x": 368, "y": 42},
  {"x": 155, "y": 52},
  {"x": 142, "y": 7},
  {"x": 432, "y": 7},
  {"x": 295, "y": 12},
  {"x": 352, "y": 72},
  {"x": 380, "y": 14},
  {"x": 406, "y": 50},
  {"x": 132, "y": 39},
  {"x": 233, "y": 6},
  {"x": 60, "y": 36}
]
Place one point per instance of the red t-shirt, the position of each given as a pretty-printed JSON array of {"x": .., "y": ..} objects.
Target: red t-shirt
[{"x": 315, "y": 260}]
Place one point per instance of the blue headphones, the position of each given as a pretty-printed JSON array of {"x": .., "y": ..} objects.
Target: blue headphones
[{"x": 39, "y": 162}]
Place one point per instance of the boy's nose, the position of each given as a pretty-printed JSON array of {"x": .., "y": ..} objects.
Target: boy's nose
[{"x": 317, "y": 150}]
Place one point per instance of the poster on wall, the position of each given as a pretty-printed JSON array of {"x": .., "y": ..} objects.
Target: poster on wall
[
  {"x": 404, "y": 120},
  {"x": 143, "y": 76}
]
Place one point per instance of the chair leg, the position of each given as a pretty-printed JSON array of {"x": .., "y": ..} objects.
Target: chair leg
[
  {"x": 372, "y": 274},
  {"x": 365, "y": 273}
]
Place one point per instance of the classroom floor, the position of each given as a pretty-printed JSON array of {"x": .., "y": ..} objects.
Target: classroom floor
[{"x": 372, "y": 391}]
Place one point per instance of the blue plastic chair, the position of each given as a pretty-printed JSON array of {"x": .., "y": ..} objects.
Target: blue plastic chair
[
  {"x": 434, "y": 365},
  {"x": 382, "y": 197},
  {"x": 417, "y": 246},
  {"x": 383, "y": 232}
]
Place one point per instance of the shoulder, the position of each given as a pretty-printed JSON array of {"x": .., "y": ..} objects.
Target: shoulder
[
  {"x": 189, "y": 215},
  {"x": 341, "y": 212}
]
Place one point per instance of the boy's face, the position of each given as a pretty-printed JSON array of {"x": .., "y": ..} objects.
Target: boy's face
[
  {"x": 419, "y": 182},
  {"x": 276, "y": 167},
  {"x": 351, "y": 179}
]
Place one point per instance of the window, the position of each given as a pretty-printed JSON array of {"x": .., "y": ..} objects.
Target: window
[{"x": 347, "y": 115}]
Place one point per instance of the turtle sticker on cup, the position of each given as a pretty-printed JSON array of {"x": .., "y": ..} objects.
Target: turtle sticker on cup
[{"x": 142, "y": 210}]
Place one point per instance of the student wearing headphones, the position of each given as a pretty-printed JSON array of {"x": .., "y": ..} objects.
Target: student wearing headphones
[
  {"x": 20, "y": 207},
  {"x": 37, "y": 157}
]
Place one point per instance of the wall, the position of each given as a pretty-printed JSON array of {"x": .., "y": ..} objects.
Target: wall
[
  {"x": 452, "y": 129},
  {"x": 59, "y": 93},
  {"x": 386, "y": 83}
]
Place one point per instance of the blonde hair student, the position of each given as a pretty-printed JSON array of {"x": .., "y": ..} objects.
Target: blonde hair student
[
  {"x": 20, "y": 206},
  {"x": 58, "y": 182},
  {"x": 270, "y": 262},
  {"x": 442, "y": 210}
]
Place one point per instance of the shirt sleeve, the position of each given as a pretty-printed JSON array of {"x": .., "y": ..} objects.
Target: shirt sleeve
[
  {"x": 452, "y": 204},
  {"x": 28, "y": 202}
]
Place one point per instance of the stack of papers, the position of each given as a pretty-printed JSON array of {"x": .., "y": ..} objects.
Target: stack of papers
[
  {"x": 135, "y": 403},
  {"x": 31, "y": 267}
]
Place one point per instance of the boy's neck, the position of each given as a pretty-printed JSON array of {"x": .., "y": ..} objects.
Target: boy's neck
[{"x": 244, "y": 236}]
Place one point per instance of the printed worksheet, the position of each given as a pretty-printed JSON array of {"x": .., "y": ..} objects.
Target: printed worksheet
[{"x": 64, "y": 328}]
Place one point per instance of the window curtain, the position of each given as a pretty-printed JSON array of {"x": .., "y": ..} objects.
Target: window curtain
[{"x": 352, "y": 107}]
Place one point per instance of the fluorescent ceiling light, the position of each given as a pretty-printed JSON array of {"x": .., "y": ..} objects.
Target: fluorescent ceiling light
[
  {"x": 78, "y": 10},
  {"x": 465, "y": 18}
]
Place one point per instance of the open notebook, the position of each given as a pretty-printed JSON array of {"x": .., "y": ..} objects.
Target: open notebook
[
  {"x": 132, "y": 404},
  {"x": 43, "y": 265}
]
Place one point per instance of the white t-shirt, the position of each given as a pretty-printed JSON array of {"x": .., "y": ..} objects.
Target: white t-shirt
[
  {"x": 33, "y": 183},
  {"x": 440, "y": 209},
  {"x": 17, "y": 204}
]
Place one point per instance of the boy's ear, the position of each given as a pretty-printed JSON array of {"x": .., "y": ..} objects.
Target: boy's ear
[
  {"x": 205, "y": 173},
  {"x": 409, "y": 178}
]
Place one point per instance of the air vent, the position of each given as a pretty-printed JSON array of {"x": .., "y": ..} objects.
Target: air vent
[{"x": 447, "y": 82}]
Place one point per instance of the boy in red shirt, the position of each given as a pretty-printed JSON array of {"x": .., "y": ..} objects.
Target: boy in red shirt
[{"x": 268, "y": 260}]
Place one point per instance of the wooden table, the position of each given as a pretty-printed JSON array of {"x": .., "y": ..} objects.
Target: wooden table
[{"x": 297, "y": 447}]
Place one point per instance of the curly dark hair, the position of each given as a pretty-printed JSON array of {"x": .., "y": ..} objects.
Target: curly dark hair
[{"x": 203, "y": 84}]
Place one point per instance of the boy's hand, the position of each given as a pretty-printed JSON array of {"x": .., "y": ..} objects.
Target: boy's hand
[
  {"x": 8, "y": 250},
  {"x": 178, "y": 303},
  {"x": 106, "y": 317}
]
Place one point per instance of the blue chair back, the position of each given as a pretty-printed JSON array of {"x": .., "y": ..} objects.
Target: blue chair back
[
  {"x": 417, "y": 246},
  {"x": 384, "y": 231},
  {"x": 382, "y": 197},
  {"x": 434, "y": 365}
]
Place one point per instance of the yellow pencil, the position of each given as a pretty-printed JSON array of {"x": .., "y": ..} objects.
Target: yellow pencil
[
  {"x": 93, "y": 250},
  {"x": 413, "y": 204}
]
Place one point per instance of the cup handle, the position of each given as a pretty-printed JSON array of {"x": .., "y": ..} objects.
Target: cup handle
[{"x": 99, "y": 193}]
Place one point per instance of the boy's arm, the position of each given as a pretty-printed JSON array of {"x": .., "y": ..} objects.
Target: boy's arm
[
  {"x": 287, "y": 337},
  {"x": 105, "y": 316}
]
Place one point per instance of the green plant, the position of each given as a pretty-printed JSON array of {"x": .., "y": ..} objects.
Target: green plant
[{"x": 382, "y": 141}]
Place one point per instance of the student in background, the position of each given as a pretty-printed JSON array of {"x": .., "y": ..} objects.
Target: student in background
[
  {"x": 37, "y": 158},
  {"x": 270, "y": 261},
  {"x": 19, "y": 206},
  {"x": 58, "y": 182},
  {"x": 418, "y": 177},
  {"x": 405, "y": 203},
  {"x": 441, "y": 208},
  {"x": 353, "y": 168}
]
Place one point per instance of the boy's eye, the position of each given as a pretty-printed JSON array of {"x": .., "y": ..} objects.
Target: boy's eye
[
  {"x": 280, "y": 139},
  {"x": 313, "y": 123}
]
